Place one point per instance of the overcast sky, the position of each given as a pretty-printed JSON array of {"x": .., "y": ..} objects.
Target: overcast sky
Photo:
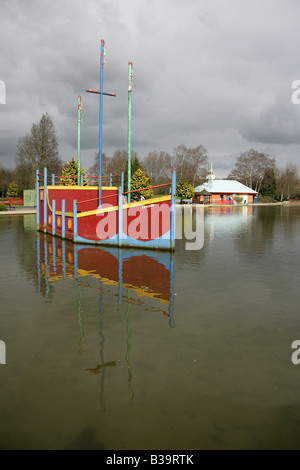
[{"x": 213, "y": 72}]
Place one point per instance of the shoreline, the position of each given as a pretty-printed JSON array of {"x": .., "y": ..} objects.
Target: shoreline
[
  {"x": 19, "y": 211},
  {"x": 29, "y": 210},
  {"x": 283, "y": 203}
]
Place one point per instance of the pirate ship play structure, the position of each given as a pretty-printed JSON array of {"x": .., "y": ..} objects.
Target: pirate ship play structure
[{"x": 105, "y": 214}]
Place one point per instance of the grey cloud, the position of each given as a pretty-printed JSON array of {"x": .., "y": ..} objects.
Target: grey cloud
[
  {"x": 278, "y": 123},
  {"x": 213, "y": 73}
]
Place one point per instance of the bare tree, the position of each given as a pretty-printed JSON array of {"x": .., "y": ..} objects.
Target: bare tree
[
  {"x": 158, "y": 167},
  {"x": 37, "y": 150},
  {"x": 118, "y": 162},
  {"x": 94, "y": 169},
  {"x": 115, "y": 165},
  {"x": 251, "y": 168},
  {"x": 190, "y": 163}
]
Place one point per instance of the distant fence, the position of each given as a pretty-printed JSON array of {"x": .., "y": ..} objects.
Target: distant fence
[
  {"x": 18, "y": 201},
  {"x": 29, "y": 197}
]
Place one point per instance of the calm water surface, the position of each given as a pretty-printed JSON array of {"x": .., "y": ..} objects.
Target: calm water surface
[{"x": 122, "y": 349}]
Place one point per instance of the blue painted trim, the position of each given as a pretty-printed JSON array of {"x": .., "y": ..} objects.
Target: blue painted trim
[
  {"x": 120, "y": 215},
  {"x": 108, "y": 241},
  {"x": 63, "y": 218},
  {"x": 158, "y": 243},
  {"x": 75, "y": 229},
  {"x": 53, "y": 217}
]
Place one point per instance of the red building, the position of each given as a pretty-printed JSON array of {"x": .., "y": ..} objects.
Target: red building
[{"x": 224, "y": 192}]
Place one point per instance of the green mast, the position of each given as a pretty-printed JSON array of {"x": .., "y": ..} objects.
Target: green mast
[
  {"x": 130, "y": 77},
  {"x": 78, "y": 145}
]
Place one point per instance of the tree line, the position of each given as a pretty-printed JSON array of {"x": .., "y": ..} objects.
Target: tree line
[
  {"x": 190, "y": 165},
  {"x": 260, "y": 172},
  {"x": 255, "y": 169}
]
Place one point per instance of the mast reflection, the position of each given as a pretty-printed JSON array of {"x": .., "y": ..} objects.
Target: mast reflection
[{"x": 134, "y": 272}]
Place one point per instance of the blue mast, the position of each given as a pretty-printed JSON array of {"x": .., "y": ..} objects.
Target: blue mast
[{"x": 101, "y": 93}]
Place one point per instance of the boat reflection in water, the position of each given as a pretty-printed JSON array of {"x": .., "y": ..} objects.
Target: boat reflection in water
[{"x": 134, "y": 273}]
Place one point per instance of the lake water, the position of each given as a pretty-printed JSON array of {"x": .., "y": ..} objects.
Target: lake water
[{"x": 129, "y": 350}]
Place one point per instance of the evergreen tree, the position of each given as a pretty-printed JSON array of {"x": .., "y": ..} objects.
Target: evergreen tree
[
  {"x": 69, "y": 174},
  {"x": 139, "y": 180},
  {"x": 268, "y": 187},
  {"x": 13, "y": 190},
  {"x": 135, "y": 165},
  {"x": 184, "y": 190},
  {"x": 287, "y": 181},
  {"x": 6, "y": 177}
]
